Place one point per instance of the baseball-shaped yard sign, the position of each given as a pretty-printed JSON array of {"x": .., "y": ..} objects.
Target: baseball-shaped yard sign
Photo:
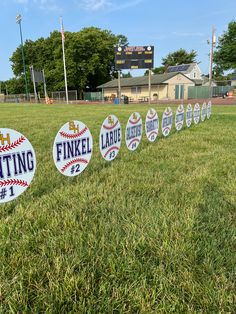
[
  {"x": 167, "y": 121},
  {"x": 72, "y": 148},
  {"x": 110, "y": 138},
  {"x": 196, "y": 113},
  {"x": 151, "y": 125},
  {"x": 204, "y": 112},
  {"x": 189, "y": 115},
  {"x": 179, "y": 117},
  {"x": 133, "y": 132},
  {"x": 17, "y": 164},
  {"x": 209, "y": 110}
]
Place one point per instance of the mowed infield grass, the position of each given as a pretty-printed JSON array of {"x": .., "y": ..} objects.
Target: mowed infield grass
[{"x": 151, "y": 232}]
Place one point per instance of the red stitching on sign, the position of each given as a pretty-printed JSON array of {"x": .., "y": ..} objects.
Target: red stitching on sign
[
  {"x": 152, "y": 117},
  {"x": 71, "y": 136},
  {"x": 167, "y": 113},
  {"x": 14, "y": 182},
  {"x": 12, "y": 145},
  {"x": 166, "y": 128},
  {"x": 181, "y": 110},
  {"x": 153, "y": 132},
  {"x": 134, "y": 140},
  {"x": 135, "y": 122},
  {"x": 179, "y": 124},
  {"x": 110, "y": 127},
  {"x": 110, "y": 149},
  {"x": 72, "y": 162}
]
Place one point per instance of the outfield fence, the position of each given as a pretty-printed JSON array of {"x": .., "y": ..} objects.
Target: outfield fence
[
  {"x": 60, "y": 96},
  {"x": 136, "y": 94},
  {"x": 18, "y": 98}
]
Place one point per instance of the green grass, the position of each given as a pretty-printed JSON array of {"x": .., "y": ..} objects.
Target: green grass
[{"x": 152, "y": 232}]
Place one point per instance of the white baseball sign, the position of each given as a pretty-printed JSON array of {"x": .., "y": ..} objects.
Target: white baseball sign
[
  {"x": 133, "y": 132},
  {"x": 209, "y": 110},
  {"x": 179, "y": 117},
  {"x": 189, "y": 115},
  {"x": 17, "y": 164},
  {"x": 151, "y": 125},
  {"x": 196, "y": 113},
  {"x": 167, "y": 121},
  {"x": 72, "y": 148},
  {"x": 204, "y": 112},
  {"x": 110, "y": 138}
]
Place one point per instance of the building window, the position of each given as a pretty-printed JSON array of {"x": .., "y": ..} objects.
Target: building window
[
  {"x": 136, "y": 90},
  {"x": 194, "y": 74}
]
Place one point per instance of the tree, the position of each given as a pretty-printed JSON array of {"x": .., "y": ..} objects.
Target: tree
[
  {"x": 225, "y": 54},
  {"x": 159, "y": 70},
  {"x": 126, "y": 75},
  {"x": 14, "y": 86},
  {"x": 89, "y": 58},
  {"x": 180, "y": 56}
]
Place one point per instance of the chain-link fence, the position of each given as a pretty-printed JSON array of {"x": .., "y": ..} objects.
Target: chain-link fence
[
  {"x": 172, "y": 91},
  {"x": 19, "y": 98},
  {"x": 60, "y": 96}
]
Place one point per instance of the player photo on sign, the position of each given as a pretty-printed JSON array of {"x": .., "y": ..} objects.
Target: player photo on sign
[
  {"x": 110, "y": 138},
  {"x": 151, "y": 125},
  {"x": 17, "y": 164},
  {"x": 133, "y": 132},
  {"x": 72, "y": 148}
]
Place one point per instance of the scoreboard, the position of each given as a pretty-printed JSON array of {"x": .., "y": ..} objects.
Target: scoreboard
[{"x": 136, "y": 57}]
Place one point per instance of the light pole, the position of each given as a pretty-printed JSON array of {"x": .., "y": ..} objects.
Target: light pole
[
  {"x": 18, "y": 21},
  {"x": 213, "y": 44}
]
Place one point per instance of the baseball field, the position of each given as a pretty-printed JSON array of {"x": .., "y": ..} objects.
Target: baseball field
[{"x": 151, "y": 232}]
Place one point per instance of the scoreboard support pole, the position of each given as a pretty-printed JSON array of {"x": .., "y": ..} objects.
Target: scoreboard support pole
[
  {"x": 119, "y": 87},
  {"x": 149, "y": 86},
  {"x": 44, "y": 85},
  {"x": 34, "y": 84}
]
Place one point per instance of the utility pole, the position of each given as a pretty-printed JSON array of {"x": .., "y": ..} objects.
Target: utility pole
[
  {"x": 119, "y": 86},
  {"x": 64, "y": 59},
  {"x": 213, "y": 44},
  {"x": 18, "y": 21},
  {"x": 149, "y": 85},
  {"x": 33, "y": 79}
]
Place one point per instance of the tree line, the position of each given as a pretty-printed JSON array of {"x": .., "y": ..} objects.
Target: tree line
[{"x": 90, "y": 59}]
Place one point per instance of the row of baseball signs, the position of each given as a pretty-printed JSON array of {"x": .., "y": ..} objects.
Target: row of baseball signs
[{"x": 73, "y": 145}]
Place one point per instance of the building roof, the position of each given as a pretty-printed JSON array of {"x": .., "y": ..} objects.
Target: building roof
[
  {"x": 183, "y": 68},
  {"x": 157, "y": 79},
  {"x": 198, "y": 82}
]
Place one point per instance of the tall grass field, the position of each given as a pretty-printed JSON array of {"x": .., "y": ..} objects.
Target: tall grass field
[{"x": 151, "y": 232}]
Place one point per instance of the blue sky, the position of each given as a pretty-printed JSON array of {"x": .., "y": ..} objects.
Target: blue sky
[{"x": 168, "y": 25}]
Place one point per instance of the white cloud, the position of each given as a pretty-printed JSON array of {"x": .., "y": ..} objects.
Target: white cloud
[
  {"x": 45, "y": 5},
  {"x": 95, "y": 5},
  {"x": 109, "y": 5}
]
